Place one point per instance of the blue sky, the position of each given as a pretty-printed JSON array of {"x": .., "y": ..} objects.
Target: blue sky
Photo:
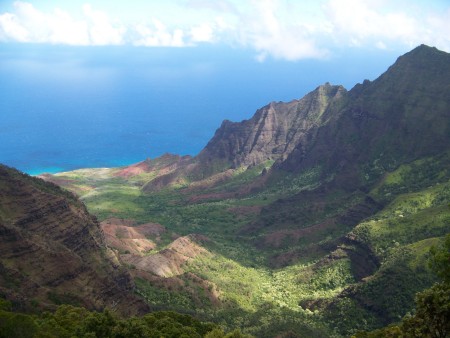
[{"x": 281, "y": 29}]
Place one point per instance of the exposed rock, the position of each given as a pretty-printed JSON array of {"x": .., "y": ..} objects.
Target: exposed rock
[
  {"x": 169, "y": 262},
  {"x": 168, "y": 170},
  {"x": 52, "y": 250},
  {"x": 162, "y": 165},
  {"x": 270, "y": 135},
  {"x": 126, "y": 237},
  {"x": 273, "y": 132},
  {"x": 133, "y": 243}
]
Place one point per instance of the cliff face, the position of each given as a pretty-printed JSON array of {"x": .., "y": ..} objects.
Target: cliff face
[
  {"x": 399, "y": 117},
  {"x": 273, "y": 132},
  {"x": 52, "y": 250}
]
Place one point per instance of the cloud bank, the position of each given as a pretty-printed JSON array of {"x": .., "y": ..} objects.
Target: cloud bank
[{"x": 279, "y": 29}]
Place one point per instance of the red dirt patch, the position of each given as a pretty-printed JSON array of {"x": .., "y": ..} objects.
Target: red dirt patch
[
  {"x": 168, "y": 262},
  {"x": 133, "y": 170},
  {"x": 161, "y": 166},
  {"x": 120, "y": 234},
  {"x": 212, "y": 180}
]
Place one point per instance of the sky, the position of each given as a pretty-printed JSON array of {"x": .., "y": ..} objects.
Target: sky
[
  {"x": 106, "y": 83},
  {"x": 280, "y": 29}
]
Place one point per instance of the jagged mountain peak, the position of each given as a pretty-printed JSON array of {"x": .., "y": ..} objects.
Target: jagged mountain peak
[
  {"x": 382, "y": 119},
  {"x": 292, "y": 134},
  {"x": 272, "y": 132},
  {"x": 279, "y": 129},
  {"x": 423, "y": 50}
]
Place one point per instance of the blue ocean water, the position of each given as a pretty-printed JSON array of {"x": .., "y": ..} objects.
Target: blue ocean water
[{"x": 63, "y": 108}]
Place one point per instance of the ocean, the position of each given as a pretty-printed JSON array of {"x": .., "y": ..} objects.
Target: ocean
[{"x": 63, "y": 108}]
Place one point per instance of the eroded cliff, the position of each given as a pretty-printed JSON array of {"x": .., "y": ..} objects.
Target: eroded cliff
[{"x": 52, "y": 250}]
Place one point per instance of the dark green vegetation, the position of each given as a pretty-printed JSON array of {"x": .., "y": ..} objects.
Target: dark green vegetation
[
  {"x": 432, "y": 310},
  {"x": 69, "y": 321},
  {"x": 313, "y": 218}
]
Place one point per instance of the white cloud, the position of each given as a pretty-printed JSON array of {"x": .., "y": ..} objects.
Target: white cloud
[
  {"x": 202, "y": 33},
  {"x": 441, "y": 24},
  {"x": 63, "y": 29},
  {"x": 297, "y": 30},
  {"x": 279, "y": 29},
  {"x": 101, "y": 30},
  {"x": 381, "y": 45},
  {"x": 266, "y": 30},
  {"x": 158, "y": 35},
  {"x": 222, "y": 6},
  {"x": 11, "y": 29},
  {"x": 367, "y": 22},
  {"x": 28, "y": 24},
  {"x": 94, "y": 28}
]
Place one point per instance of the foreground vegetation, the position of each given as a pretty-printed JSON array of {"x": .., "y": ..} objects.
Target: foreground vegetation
[
  {"x": 69, "y": 321},
  {"x": 432, "y": 311}
]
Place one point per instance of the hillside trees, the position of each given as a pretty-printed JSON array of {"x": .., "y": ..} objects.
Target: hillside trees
[
  {"x": 70, "y": 321},
  {"x": 432, "y": 313}
]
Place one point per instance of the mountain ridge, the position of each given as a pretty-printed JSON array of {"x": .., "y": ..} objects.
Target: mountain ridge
[
  {"x": 272, "y": 132},
  {"x": 286, "y": 132}
]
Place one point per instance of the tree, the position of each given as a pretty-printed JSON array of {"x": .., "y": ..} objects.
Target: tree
[
  {"x": 16, "y": 325},
  {"x": 432, "y": 313},
  {"x": 431, "y": 318},
  {"x": 433, "y": 305},
  {"x": 440, "y": 260}
]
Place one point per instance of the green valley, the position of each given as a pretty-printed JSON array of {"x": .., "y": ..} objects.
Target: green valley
[{"x": 314, "y": 292}]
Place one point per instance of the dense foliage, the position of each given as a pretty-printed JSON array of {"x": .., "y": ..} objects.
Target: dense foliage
[
  {"x": 69, "y": 321},
  {"x": 432, "y": 313}
]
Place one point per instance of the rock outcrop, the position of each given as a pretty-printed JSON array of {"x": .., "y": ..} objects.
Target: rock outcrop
[
  {"x": 127, "y": 237},
  {"x": 170, "y": 261},
  {"x": 273, "y": 132},
  {"x": 52, "y": 250},
  {"x": 270, "y": 135}
]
